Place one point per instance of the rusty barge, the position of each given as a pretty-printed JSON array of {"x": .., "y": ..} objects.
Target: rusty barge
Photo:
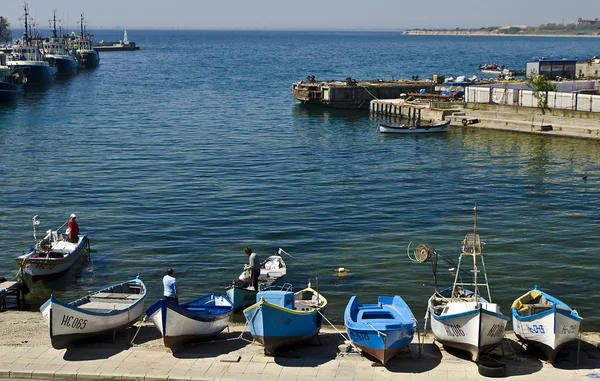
[{"x": 355, "y": 94}]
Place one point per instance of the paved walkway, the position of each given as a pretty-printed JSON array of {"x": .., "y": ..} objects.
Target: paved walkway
[{"x": 228, "y": 358}]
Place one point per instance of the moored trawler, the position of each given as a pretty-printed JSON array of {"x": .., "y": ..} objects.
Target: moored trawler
[
  {"x": 83, "y": 44},
  {"x": 55, "y": 50},
  {"x": 26, "y": 56},
  {"x": 11, "y": 80}
]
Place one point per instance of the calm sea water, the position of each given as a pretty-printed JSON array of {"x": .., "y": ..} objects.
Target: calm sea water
[{"x": 182, "y": 153}]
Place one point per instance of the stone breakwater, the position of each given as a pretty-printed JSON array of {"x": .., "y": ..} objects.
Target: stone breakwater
[{"x": 25, "y": 352}]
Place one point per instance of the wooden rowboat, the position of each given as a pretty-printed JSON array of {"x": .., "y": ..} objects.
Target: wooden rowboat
[
  {"x": 99, "y": 313},
  {"x": 381, "y": 329},
  {"x": 199, "y": 319},
  {"x": 282, "y": 319},
  {"x": 544, "y": 321},
  {"x": 443, "y": 126}
]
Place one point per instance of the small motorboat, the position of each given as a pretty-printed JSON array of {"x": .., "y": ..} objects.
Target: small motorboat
[
  {"x": 442, "y": 126},
  {"x": 99, "y": 313},
  {"x": 544, "y": 321},
  {"x": 381, "y": 329},
  {"x": 199, "y": 319},
  {"x": 272, "y": 273},
  {"x": 282, "y": 318},
  {"x": 52, "y": 255}
]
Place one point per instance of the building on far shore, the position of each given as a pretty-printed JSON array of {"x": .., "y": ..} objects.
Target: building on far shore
[
  {"x": 581, "y": 21},
  {"x": 553, "y": 69}
]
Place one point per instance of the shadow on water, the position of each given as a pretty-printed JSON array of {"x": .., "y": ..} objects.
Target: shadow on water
[{"x": 311, "y": 110}]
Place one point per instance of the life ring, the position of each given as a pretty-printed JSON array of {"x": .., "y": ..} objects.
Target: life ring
[{"x": 464, "y": 121}]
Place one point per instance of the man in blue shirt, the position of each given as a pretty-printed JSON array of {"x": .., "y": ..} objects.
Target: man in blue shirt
[
  {"x": 171, "y": 291},
  {"x": 253, "y": 266}
]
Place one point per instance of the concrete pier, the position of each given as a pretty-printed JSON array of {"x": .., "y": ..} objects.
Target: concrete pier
[{"x": 353, "y": 94}]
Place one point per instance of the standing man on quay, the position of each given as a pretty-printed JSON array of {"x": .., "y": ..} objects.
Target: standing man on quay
[
  {"x": 171, "y": 290},
  {"x": 253, "y": 266},
  {"x": 73, "y": 229}
]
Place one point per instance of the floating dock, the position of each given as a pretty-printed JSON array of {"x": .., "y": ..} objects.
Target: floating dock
[{"x": 354, "y": 94}]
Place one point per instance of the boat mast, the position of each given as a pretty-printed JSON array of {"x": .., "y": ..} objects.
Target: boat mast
[
  {"x": 25, "y": 35},
  {"x": 475, "y": 271},
  {"x": 54, "y": 26}
]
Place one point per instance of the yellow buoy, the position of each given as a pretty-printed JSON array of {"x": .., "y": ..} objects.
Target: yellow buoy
[{"x": 342, "y": 271}]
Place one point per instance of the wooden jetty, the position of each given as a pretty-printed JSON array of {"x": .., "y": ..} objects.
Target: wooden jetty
[{"x": 354, "y": 94}]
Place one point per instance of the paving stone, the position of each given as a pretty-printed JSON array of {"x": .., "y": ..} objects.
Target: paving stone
[{"x": 84, "y": 376}]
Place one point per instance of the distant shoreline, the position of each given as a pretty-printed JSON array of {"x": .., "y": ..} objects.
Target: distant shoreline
[{"x": 425, "y": 32}]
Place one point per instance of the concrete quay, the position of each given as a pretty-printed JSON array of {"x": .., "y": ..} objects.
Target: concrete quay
[
  {"x": 229, "y": 357},
  {"x": 566, "y": 123}
]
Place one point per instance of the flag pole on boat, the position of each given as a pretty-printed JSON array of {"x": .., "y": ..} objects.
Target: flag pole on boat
[
  {"x": 34, "y": 222},
  {"x": 283, "y": 251}
]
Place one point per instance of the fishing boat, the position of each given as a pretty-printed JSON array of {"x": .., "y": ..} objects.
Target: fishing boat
[
  {"x": 272, "y": 273},
  {"x": 123, "y": 45},
  {"x": 417, "y": 128},
  {"x": 99, "y": 313},
  {"x": 381, "y": 329},
  {"x": 199, "y": 319},
  {"x": 52, "y": 255},
  {"x": 83, "y": 44},
  {"x": 11, "y": 80},
  {"x": 27, "y": 57},
  {"x": 55, "y": 50},
  {"x": 543, "y": 321},
  {"x": 282, "y": 318},
  {"x": 460, "y": 316}
]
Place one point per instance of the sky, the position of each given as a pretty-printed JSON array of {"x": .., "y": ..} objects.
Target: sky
[{"x": 304, "y": 14}]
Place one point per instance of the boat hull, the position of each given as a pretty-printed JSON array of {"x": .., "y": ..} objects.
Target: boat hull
[
  {"x": 38, "y": 73},
  {"x": 381, "y": 329},
  {"x": 241, "y": 298},
  {"x": 277, "y": 327},
  {"x": 404, "y": 129},
  {"x": 194, "y": 321},
  {"x": 476, "y": 329},
  {"x": 550, "y": 329},
  {"x": 40, "y": 268},
  {"x": 90, "y": 58},
  {"x": 69, "y": 324},
  {"x": 66, "y": 66}
]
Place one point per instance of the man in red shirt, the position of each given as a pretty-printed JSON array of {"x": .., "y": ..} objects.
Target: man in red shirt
[{"x": 73, "y": 229}]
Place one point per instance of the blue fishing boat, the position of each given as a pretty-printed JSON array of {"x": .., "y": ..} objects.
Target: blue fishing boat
[
  {"x": 381, "y": 329},
  {"x": 199, "y": 319},
  {"x": 282, "y": 318}
]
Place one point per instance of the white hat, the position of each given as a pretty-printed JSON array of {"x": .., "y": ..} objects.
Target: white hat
[{"x": 73, "y": 215}]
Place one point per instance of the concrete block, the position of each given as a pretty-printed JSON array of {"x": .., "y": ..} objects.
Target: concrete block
[
  {"x": 42, "y": 375},
  {"x": 87, "y": 376},
  {"x": 109, "y": 377},
  {"x": 231, "y": 358},
  {"x": 21, "y": 374},
  {"x": 157, "y": 377},
  {"x": 133, "y": 377},
  {"x": 180, "y": 378},
  {"x": 65, "y": 375},
  {"x": 4, "y": 373}
]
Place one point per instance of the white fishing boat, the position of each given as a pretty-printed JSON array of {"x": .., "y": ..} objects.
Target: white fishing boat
[
  {"x": 272, "y": 273},
  {"x": 199, "y": 319},
  {"x": 100, "y": 313},
  {"x": 543, "y": 321},
  {"x": 52, "y": 255},
  {"x": 460, "y": 316}
]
